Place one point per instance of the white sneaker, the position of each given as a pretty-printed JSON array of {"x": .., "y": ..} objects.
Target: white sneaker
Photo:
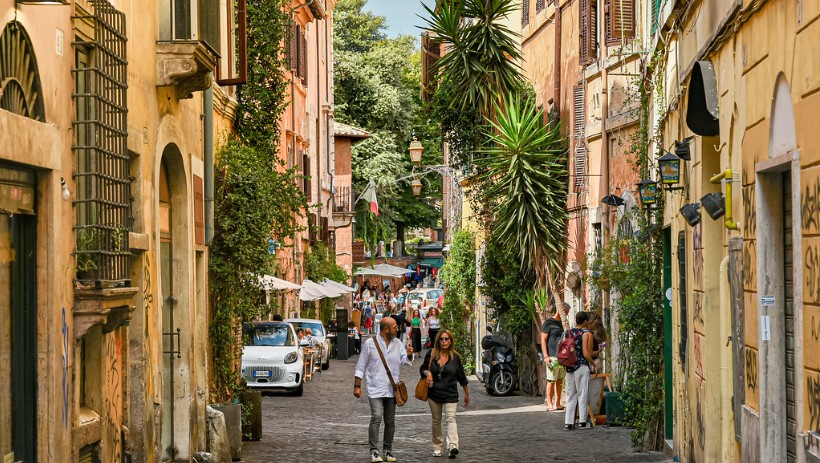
[
  {"x": 374, "y": 457},
  {"x": 436, "y": 453},
  {"x": 388, "y": 456}
]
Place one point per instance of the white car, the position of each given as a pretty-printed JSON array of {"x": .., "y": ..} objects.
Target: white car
[
  {"x": 318, "y": 336},
  {"x": 423, "y": 299},
  {"x": 272, "y": 358}
]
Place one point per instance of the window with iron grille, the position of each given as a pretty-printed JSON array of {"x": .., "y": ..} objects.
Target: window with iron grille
[
  {"x": 619, "y": 21},
  {"x": 579, "y": 164},
  {"x": 525, "y": 12},
  {"x": 539, "y": 5},
  {"x": 103, "y": 190},
  {"x": 588, "y": 31}
]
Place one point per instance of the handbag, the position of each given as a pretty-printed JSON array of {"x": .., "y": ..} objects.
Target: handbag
[
  {"x": 421, "y": 387},
  {"x": 399, "y": 390}
]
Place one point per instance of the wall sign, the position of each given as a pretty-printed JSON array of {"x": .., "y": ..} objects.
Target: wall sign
[
  {"x": 765, "y": 328},
  {"x": 767, "y": 301}
]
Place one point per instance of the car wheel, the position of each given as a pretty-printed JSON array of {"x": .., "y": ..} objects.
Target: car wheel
[
  {"x": 326, "y": 365},
  {"x": 299, "y": 390}
]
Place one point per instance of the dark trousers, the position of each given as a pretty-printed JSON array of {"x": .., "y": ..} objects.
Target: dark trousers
[
  {"x": 416, "y": 339},
  {"x": 382, "y": 407}
]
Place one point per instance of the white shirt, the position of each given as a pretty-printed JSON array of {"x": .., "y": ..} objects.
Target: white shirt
[{"x": 370, "y": 365}]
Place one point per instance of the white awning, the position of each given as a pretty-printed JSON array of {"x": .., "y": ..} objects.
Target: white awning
[
  {"x": 338, "y": 286},
  {"x": 383, "y": 270},
  {"x": 269, "y": 283},
  {"x": 311, "y": 291}
]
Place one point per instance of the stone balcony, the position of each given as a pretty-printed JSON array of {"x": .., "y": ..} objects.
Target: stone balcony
[{"x": 185, "y": 65}]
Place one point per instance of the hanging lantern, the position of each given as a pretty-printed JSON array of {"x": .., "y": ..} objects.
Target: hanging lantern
[
  {"x": 416, "y": 186},
  {"x": 648, "y": 190},
  {"x": 415, "y": 151},
  {"x": 670, "y": 169}
]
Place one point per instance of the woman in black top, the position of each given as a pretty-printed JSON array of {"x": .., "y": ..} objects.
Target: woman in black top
[{"x": 444, "y": 372}]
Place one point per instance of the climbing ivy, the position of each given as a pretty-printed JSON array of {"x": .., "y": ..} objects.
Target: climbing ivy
[
  {"x": 320, "y": 264},
  {"x": 458, "y": 275},
  {"x": 632, "y": 267},
  {"x": 255, "y": 198}
]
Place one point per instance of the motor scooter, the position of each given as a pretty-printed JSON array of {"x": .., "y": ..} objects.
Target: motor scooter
[{"x": 499, "y": 369}]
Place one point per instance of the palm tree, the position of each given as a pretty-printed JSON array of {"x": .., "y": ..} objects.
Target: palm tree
[{"x": 525, "y": 170}]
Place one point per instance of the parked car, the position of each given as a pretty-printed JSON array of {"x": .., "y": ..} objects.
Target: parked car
[
  {"x": 272, "y": 358},
  {"x": 319, "y": 336},
  {"x": 423, "y": 299}
]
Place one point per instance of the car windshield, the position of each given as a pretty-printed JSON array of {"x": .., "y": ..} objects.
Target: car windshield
[
  {"x": 272, "y": 335},
  {"x": 414, "y": 296},
  {"x": 315, "y": 327}
]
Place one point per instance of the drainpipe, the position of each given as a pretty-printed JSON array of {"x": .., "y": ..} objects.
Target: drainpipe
[
  {"x": 604, "y": 145},
  {"x": 208, "y": 109},
  {"x": 556, "y": 92}
]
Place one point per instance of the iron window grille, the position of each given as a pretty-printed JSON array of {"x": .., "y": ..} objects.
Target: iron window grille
[
  {"x": 539, "y": 5},
  {"x": 103, "y": 191},
  {"x": 525, "y": 13}
]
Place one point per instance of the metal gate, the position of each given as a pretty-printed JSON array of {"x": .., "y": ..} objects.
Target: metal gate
[{"x": 788, "y": 295}]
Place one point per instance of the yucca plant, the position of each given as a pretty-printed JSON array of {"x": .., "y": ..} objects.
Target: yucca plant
[{"x": 524, "y": 169}]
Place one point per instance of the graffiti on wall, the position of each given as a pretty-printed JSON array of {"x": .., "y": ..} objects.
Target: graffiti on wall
[
  {"x": 749, "y": 265},
  {"x": 812, "y": 275},
  {"x": 813, "y": 399},
  {"x": 749, "y": 212},
  {"x": 697, "y": 314},
  {"x": 810, "y": 206},
  {"x": 698, "y": 356},
  {"x": 66, "y": 353},
  {"x": 697, "y": 257},
  {"x": 751, "y": 369},
  {"x": 113, "y": 391}
]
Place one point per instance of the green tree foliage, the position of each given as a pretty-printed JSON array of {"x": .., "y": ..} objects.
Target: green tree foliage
[
  {"x": 506, "y": 286},
  {"x": 458, "y": 275},
  {"x": 377, "y": 87},
  {"x": 525, "y": 168}
]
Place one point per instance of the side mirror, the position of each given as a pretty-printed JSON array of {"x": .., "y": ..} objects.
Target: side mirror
[{"x": 489, "y": 329}]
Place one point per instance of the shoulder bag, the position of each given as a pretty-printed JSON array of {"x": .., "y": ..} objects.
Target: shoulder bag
[
  {"x": 399, "y": 390},
  {"x": 421, "y": 387}
]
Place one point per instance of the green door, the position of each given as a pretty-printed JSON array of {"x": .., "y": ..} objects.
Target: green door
[{"x": 667, "y": 331}]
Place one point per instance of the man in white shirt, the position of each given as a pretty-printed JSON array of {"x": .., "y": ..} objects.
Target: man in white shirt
[{"x": 379, "y": 389}]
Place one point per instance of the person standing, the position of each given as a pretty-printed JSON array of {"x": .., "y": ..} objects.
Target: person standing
[
  {"x": 433, "y": 324},
  {"x": 401, "y": 321},
  {"x": 379, "y": 388},
  {"x": 578, "y": 374},
  {"x": 551, "y": 332},
  {"x": 444, "y": 371},
  {"x": 415, "y": 332}
]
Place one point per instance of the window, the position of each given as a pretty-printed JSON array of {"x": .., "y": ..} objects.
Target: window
[
  {"x": 588, "y": 31},
  {"x": 525, "y": 12},
  {"x": 297, "y": 52},
  {"x": 539, "y": 5},
  {"x": 619, "y": 21},
  {"x": 684, "y": 330},
  {"x": 579, "y": 163}
]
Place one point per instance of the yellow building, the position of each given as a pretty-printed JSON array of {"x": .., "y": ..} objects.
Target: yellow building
[{"x": 107, "y": 118}]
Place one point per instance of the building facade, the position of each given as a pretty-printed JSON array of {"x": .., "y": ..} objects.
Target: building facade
[{"x": 109, "y": 115}]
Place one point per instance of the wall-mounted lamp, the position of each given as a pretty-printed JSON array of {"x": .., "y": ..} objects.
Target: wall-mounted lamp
[
  {"x": 682, "y": 149},
  {"x": 670, "y": 168},
  {"x": 416, "y": 186},
  {"x": 713, "y": 203},
  {"x": 65, "y": 193},
  {"x": 415, "y": 151},
  {"x": 648, "y": 191},
  {"x": 613, "y": 200},
  {"x": 691, "y": 214}
]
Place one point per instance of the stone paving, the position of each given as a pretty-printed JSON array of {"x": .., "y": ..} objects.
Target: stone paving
[{"x": 328, "y": 424}]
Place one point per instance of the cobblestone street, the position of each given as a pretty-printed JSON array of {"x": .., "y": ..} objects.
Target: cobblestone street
[{"x": 328, "y": 424}]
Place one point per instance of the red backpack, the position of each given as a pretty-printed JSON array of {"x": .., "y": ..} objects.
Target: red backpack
[{"x": 567, "y": 355}]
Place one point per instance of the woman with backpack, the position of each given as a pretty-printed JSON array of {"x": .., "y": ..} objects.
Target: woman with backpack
[{"x": 575, "y": 353}]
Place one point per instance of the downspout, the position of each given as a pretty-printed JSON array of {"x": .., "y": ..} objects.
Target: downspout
[
  {"x": 208, "y": 109},
  {"x": 604, "y": 147},
  {"x": 556, "y": 92}
]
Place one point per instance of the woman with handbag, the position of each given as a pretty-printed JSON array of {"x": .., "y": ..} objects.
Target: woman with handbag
[{"x": 442, "y": 372}]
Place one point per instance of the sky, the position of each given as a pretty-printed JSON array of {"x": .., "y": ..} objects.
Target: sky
[{"x": 400, "y": 14}]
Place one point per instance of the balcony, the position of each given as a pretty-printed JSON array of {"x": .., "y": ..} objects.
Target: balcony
[
  {"x": 343, "y": 207},
  {"x": 188, "y": 49}
]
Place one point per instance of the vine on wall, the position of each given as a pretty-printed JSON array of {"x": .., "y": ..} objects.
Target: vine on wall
[
  {"x": 458, "y": 275},
  {"x": 255, "y": 199}
]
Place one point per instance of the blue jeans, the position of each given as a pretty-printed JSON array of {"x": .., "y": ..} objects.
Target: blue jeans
[{"x": 382, "y": 406}]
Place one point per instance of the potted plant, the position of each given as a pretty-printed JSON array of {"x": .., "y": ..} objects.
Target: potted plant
[{"x": 86, "y": 264}]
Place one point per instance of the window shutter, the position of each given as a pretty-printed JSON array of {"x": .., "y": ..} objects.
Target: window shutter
[
  {"x": 293, "y": 34},
  {"x": 579, "y": 135},
  {"x": 306, "y": 174},
  {"x": 588, "y": 31},
  {"x": 199, "y": 210},
  {"x": 620, "y": 21},
  {"x": 525, "y": 12},
  {"x": 303, "y": 57},
  {"x": 539, "y": 5}
]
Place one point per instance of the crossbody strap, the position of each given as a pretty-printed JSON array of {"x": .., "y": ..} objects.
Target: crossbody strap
[{"x": 384, "y": 362}]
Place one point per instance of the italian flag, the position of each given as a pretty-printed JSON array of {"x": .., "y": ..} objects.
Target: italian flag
[{"x": 370, "y": 196}]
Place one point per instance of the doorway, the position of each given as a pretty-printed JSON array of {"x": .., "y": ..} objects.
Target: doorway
[{"x": 170, "y": 333}]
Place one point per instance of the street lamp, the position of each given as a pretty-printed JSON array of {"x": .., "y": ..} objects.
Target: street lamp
[
  {"x": 415, "y": 151},
  {"x": 416, "y": 186},
  {"x": 670, "y": 168},
  {"x": 691, "y": 214},
  {"x": 648, "y": 190}
]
